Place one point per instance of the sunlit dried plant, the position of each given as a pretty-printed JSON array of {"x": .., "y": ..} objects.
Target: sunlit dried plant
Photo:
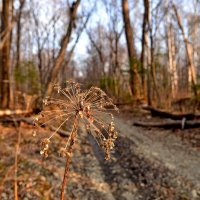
[{"x": 91, "y": 107}]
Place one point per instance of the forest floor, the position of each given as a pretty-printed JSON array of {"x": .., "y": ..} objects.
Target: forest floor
[{"x": 147, "y": 164}]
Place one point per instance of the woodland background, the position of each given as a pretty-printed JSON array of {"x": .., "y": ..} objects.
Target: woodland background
[
  {"x": 145, "y": 54},
  {"x": 146, "y": 51}
]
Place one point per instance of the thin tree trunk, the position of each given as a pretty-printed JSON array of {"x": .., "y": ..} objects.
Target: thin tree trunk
[
  {"x": 151, "y": 55},
  {"x": 149, "y": 91},
  {"x": 147, "y": 50},
  {"x": 5, "y": 57},
  {"x": 18, "y": 41},
  {"x": 11, "y": 85},
  {"x": 144, "y": 46},
  {"x": 171, "y": 60},
  {"x": 22, "y": 2},
  {"x": 116, "y": 64},
  {"x": 64, "y": 43},
  {"x": 192, "y": 72},
  {"x": 195, "y": 39},
  {"x": 134, "y": 76}
]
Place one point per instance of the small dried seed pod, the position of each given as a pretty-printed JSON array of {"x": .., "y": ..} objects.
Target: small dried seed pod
[{"x": 34, "y": 133}]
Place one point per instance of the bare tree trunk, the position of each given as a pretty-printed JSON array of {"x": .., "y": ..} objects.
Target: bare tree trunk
[
  {"x": 149, "y": 78},
  {"x": 39, "y": 53},
  {"x": 171, "y": 52},
  {"x": 22, "y": 2},
  {"x": 18, "y": 41},
  {"x": 192, "y": 71},
  {"x": 144, "y": 46},
  {"x": 146, "y": 53},
  {"x": 194, "y": 37},
  {"x": 116, "y": 63},
  {"x": 11, "y": 14},
  {"x": 11, "y": 83},
  {"x": 134, "y": 76},
  {"x": 5, "y": 57},
  {"x": 172, "y": 60},
  {"x": 64, "y": 43},
  {"x": 152, "y": 69},
  {"x": 1, "y": 55}
]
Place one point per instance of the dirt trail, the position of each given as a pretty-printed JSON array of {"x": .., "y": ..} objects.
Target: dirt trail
[
  {"x": 164, "y": 147},
  {"x": 146, "y": 164},
  {"x": 150, "y": 164}
]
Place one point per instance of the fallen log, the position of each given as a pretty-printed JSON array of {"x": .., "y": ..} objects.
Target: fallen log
[
  {"x": 30, "y": 121},
  {"x": 178, "y": 124},
  {"x": 163, "y": 114},
  {"x": 7, "y": 112}
]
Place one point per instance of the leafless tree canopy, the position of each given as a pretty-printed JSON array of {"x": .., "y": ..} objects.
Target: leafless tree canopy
[{"x": 134, "y": 50}]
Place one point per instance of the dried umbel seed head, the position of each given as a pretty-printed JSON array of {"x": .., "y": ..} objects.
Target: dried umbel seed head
[
  {"x": 108, "y": 145},
  {"x": 92, "y": 107},
  {"x": 63, "y": 152},
  {"x": 45, "y": 147}
]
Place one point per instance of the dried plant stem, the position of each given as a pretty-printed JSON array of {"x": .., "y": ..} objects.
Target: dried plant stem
[
  {"x": 17, "y": 147},
  {"x": 69, "y": 155},
  {"x": 64, "y": 183},
  {"x": 15, "y": 180}
]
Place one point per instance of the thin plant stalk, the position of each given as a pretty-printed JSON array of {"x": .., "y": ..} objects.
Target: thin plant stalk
[
  {"x": 69, "y": 155},
  {"x": 17, "y": 147}
]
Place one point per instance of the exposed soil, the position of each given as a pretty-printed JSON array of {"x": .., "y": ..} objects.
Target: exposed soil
[{"x": 147, "y": 164}]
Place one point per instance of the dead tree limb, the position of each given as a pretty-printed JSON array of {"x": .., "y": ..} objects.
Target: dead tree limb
[
  {"x": 163, "y": 114},
  {"x": 178, "y": 124},
  {"x": 30, "y": 121},
  {"x": 7, "y": 112}
]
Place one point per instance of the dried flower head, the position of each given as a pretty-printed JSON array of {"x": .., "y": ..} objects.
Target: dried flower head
[{"x": 72, "y": 105}]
